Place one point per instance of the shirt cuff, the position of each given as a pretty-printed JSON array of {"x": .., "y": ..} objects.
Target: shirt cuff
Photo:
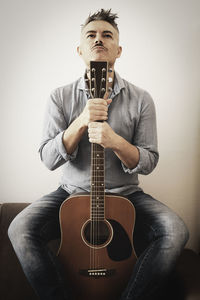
[
  {"x": 61, "y": 148},
  {"x": 140, "y": 166}
]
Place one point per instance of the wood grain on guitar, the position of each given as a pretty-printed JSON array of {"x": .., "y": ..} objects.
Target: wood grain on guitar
[{"x": 96, "y": 248}]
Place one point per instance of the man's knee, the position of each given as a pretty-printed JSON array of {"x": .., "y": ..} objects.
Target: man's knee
[
  {"x": 175, "y": 231},
  {"x": 16, "y": 230}
]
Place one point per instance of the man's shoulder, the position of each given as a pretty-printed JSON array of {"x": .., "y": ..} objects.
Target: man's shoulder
[
  {"x": 68, "y": 88},
  {"x": 136, "y": 91}
]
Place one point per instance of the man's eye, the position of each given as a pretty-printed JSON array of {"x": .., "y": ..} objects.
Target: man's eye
[
  {"x": 90, "y": 35},
  {"x": 107, "y": 36}
]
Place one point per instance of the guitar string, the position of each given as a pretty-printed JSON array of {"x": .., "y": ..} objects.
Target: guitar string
[
  {"x": 96, "y": 193},
  {"x": 96, "y": 190},
  {"x": 99, "y": 187},
  {"x": 94, "y": 181},
  {"x": 99, "y": 208},
  {"x": 91, "y": 200},
  {"x": 91, "y": 183},
  {"x": 99, "y": 173}
]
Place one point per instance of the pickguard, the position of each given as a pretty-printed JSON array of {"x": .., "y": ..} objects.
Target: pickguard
[{"x": 120, "y": 247}]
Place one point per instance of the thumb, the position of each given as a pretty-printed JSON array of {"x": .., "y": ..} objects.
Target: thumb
[{"x": 108, "y": 101}]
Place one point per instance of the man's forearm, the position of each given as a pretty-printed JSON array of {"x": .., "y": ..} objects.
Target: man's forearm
[
  {"x": 73, "y": 134},
  {"x": 103, "y": 134},
  {"x": 127, "y": 153}
]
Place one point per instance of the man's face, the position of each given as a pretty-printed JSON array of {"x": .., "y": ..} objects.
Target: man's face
[{"x": 99, "y": 42}]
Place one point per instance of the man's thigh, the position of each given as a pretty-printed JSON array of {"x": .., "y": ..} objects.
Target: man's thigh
[
  {"x": 154, "y": 220},
  {"x": 41, "y": 218}
]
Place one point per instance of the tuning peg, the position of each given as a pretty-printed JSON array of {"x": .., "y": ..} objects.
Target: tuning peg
[
  {"x": 86, "y": 79},
  {"x": 110, "y": 89},
  {"x": 110, "y": 79},
  {"x": 110, "y": 70}
]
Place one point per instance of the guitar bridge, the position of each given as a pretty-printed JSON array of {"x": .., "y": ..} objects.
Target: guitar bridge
[{"x": 97, "y": 273}]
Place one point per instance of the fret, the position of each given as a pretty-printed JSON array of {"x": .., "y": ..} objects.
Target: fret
[
  {"x": 94, "y": 214},
  {"x": 97, "y": 155},
  {"x": 98, "y": 183},
  {"x": 98, "y": 173},
  {"x": 98, "y": 168},
  {"x": 98, "y": 152},
  {"x": 96, "y": 207}
]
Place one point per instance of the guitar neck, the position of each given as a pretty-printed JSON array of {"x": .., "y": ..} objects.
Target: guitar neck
[
  {"x": 98, "y": 87},
  {"x": 97, "y": 192}
]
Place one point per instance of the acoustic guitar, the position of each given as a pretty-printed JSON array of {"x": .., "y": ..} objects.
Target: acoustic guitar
[{"x": 96, "y": 248}]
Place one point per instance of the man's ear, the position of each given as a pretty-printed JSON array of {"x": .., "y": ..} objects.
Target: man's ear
[
  {"x": 119, "y": 51},
  {"x": 79, "y": 50}
]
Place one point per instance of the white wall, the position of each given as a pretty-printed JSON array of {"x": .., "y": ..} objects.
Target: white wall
[{"x": 161, "y": 47}]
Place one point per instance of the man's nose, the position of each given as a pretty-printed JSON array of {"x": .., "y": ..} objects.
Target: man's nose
[{"x": 98, "y": 40}]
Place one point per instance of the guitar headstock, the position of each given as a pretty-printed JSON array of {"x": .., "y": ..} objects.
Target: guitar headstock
[{"x": 98, "y": 79}]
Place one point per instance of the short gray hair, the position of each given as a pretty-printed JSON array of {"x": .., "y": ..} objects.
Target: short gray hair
[{"x": 102, "y": 15}]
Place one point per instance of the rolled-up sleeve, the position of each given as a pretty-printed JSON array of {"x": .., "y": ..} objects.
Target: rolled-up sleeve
[
  {"x": 52, "y": 150},
  {"x": 145, "y": 138}
]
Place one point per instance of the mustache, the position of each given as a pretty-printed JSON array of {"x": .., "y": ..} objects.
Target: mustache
[{"x": 99, "y": 45}]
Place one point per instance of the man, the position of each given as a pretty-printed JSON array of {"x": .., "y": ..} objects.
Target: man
[{"x": 128, "y": 134}]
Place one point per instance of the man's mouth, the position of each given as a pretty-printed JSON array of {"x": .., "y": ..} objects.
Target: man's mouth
[{"x": 99, "y": 47}]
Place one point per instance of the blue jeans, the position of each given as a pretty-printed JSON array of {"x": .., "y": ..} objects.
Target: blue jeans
[{"x": 159, "y": 237}]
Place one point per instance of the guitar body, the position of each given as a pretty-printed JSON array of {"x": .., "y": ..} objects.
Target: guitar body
[{"x": 98, "y": 256}]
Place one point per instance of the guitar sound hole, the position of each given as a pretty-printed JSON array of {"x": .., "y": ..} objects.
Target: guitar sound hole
[{"x": 97, "y": 233}]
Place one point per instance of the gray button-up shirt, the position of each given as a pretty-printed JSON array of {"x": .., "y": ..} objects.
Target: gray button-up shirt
[{"x": 131, "y": 115}]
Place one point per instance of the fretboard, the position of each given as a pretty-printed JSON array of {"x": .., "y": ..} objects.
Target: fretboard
[{"x": 97, "y": 193}]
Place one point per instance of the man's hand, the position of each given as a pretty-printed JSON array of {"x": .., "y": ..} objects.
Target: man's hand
[
  {"x": 95, "y": 110},
  {"x": 103, "y": 134}
]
